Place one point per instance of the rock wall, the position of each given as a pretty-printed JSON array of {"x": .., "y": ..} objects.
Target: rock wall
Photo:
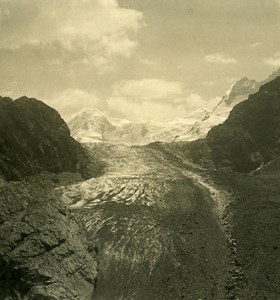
[
  {"x": 43, "y": 251},
  {"x": 34, "y": 138},
  {"x": 249, "y": 138}
]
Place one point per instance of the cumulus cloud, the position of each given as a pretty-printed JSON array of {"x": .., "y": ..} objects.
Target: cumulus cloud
[
  {"x": 220, "y": 58},
  {"x": 191, "y": 102},
  {"x": 154, "y": 110},
  {"x": 146, "y": 110},
  {"x": 100, "y": 29},
  {"x": 273, "y": 60},
  {"x": 145, "y": 89},
  {"x": 147, "y": 107},
  {"x": 153, "y": 99},
  {"x": 72, "y": 101}
]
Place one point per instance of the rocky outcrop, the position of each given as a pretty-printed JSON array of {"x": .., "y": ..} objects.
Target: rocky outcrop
[
  {"x": 249, "y": 138},
  {"x": 239, "y": 92},
  {"x": 43, "y": 252},
  {"x": 34, "y": 138},
  {"x": 251, "y": 134}
]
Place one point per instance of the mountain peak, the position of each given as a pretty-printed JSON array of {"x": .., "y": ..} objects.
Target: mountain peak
[
  {"x": 273, "y": 87},
  {"x": 5, "y": 100},
  {"x": 91, "y": 126},
  {"x": 33, "y": 138},
  {"x": 242, "y": 87},
  {"x": 90, "y": 111}
]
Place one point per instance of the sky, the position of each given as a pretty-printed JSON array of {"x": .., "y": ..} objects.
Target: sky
[{"x": 140, "y": 59}]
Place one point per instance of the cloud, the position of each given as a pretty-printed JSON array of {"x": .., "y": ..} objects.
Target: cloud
[
  {"x": 220, "y": 58},
  {"x": 72, "y": 101},
  {"x": 256, "y": 45},
  {"x": 191, "y": 102},
  {"x": 148, "y": 62},
  {"x": 99, "y": 29},
  {"x": 153, "y": 99},
  {"x": 209, "y": 83},
  {"x": 231, "y": 80},
  {"x": 273, "y": 60},
  {"x": 147, "y": 89},
  {"x": 146, "y": 110},
  {"x": 156, "y": 111}
]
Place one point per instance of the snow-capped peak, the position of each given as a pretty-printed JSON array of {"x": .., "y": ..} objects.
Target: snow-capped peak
[{"x": 92, "y": 125}]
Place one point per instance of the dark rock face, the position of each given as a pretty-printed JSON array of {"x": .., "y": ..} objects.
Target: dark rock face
[
  {"x": 248, "y": 138},
  {"x": 254, "y": 215},
  {"x": 33, "y": 138},
  {"x": 251, "y": 135},
  {"x": 43, "y": 252}
]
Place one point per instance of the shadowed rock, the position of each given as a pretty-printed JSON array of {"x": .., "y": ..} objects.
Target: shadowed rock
[
  {"x": 34, "y": 138},
  {"x": 43, "y": 251}
]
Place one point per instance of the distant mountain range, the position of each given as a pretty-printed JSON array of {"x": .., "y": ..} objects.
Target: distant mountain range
[{"x": 92, "y": 125}]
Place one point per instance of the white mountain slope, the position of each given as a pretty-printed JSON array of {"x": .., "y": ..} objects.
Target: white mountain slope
[
  {"x": 238, "y": 93},
  {"x": 92, "y": 125}
]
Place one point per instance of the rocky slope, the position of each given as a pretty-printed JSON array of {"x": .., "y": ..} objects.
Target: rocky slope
[
  {"x": 33, "y": 138},
  {"x": 156, "y": 220},
  {"x": 43, "y": 251},
  {"x": 168, "y": 229},
  {"x": 238, "y": 93},
  {"x": 254, "y": 217},
  {"x": 247, "y": 139},
  {"x": 250, "y": 136}
]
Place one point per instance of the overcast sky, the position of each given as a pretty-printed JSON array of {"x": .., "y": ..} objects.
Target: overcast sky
[{"x": 150, "y": 59}]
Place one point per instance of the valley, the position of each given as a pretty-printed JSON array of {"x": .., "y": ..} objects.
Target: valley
[
  {"x": 180, "y": 220},
  {"x": 157, "y": 222},
  {"x": 139, "y": 150}
]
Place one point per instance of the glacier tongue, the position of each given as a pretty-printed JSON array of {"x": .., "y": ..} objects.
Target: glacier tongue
[{"x": 148, "y": 214}]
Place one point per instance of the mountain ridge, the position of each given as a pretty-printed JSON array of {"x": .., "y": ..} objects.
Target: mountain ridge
[
  {"x": 249, "y": 137},
  {"x": 34, "y": 138},
  {"x": 93, "y": 125}
]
